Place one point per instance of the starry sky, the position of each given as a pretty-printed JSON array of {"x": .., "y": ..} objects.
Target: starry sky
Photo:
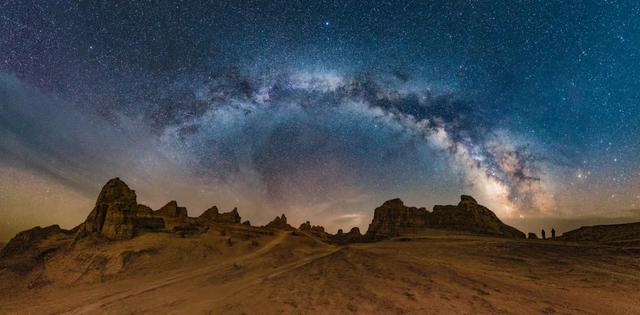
[{"x": 321, "y": 109}]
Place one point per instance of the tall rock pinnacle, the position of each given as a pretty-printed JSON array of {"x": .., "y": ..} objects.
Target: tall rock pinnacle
[{"x": 114, "y": 213}]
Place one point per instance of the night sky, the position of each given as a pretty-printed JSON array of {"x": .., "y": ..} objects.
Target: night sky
[{"x": 321, "y": 109}]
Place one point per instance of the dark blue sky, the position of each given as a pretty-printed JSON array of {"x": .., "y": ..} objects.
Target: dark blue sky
[{"x": 326, "y": 108}]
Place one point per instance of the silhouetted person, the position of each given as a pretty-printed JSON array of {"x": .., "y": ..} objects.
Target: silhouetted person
[
  {"x": 544, "y": 237},
  {"x": 553, "y": 233}
]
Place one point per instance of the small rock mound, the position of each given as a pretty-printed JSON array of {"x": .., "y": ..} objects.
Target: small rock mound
[
  {"x": 280, "y": 223},
  {"x": 353, "y": 236},
  {"x": 212, "y": 215},
  {"x": 315, "y": 230},
  {"x": 26, "y": 239},
  {"x": 172, "y": 210},
  {"x": 29, "y": 248},
  {"x": 532, "y": 236}
]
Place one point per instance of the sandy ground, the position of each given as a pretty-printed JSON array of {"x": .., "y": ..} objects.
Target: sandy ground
[{"x": 257, "y": 273}]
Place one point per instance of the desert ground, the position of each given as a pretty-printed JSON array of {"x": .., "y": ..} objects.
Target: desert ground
[{"x": 235, "y": 269}]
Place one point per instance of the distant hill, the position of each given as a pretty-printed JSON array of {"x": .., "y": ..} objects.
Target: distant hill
[{"x": 612, "y": 234}]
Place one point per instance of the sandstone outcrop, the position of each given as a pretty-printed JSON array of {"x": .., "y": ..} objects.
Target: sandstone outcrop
[
  {"x": 469, "y": 216},
  {"x": 118, "y": 216},
  {"x": 393, "y": 218},
  {"x": 212, "y": 215},
  {"x": 341, "y": 238},
  {"x": 114, "y": 213},
  {"x": 172, "y": 210},
  {"x": 315, "y": 230},
  {"x": 280, "y": 223}
]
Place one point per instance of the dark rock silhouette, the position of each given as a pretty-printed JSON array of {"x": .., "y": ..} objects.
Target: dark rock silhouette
[
  {"x": 393, "y": 218},
  {"x": 315, "y": 230},
  {"x": 612, "y": 234},
  {"x": 118, "y": 216},
  {"x": 469, "y": 216},
  {"x": 212, "y": 215},
  {"x": 29, "y": 248},
  {"x": 172, "y": 210},
  {"x": 353, "y": 236},
  {"x": 532, "y": 236},
  {"x": 280, "y": 222},
  {"x": 25, "y": 239}
]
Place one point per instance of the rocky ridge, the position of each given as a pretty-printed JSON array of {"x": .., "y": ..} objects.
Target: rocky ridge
[
  {"x": 118, "y": 216},
  {"x": 280, "y": 223},
  {"x": 612, "y": 234}
]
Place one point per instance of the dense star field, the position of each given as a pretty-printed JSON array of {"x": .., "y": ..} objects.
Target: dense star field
[{"x": 322, "y": 109}]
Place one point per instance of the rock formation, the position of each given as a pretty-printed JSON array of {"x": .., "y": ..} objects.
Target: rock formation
[
  {"x": 612, "y": 234},
  {"x": 393, "y": 218},
  {"x": 114, "y": 213},
  {"x": 26, "y": 239},
  {"x": 212, "y": 215},
  {"x": 532, "y": 236},
  {"x": 118, "y": 216},
  {"x": 315, "y": 230},
  {"x": 353, "y": 236},
  {"x": 280, "y": 222},
  {"x": 469, "y": 216},
  {"x": 172, "y": 210},
  {"x": 29, "y": 248}
]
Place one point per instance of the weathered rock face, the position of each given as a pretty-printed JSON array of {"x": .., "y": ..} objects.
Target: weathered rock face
[
  {"x": 353, "y": 236},
  {"x": 114, "y": 213},
  {"x": 532, "y": 236},
  {"x": 315, "y": 230},
  {"x": 175, "y": 217},
  {"x": 393, "y": 218},
  {"x": 469, "y": 216},
  {"x": 212, "y": 215},
  {"x": 172, "y": 210},
  {"x": 280, "y": 223}
]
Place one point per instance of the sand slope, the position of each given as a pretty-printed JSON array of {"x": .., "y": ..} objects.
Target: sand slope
[{"x": 238, "y": 270}]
